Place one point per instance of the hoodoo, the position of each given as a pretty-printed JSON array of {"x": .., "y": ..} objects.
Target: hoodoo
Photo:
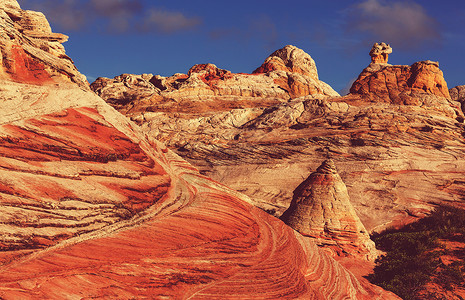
[
  {"x": 380, "y": 52},
  {"x": 321, "y": 209},
  {"x": 399, "y": 84}
]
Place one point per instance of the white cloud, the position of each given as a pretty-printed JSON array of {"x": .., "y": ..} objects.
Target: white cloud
[{"x": 403, "y": 24}]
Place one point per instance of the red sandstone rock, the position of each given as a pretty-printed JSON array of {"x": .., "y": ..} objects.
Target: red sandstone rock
[
  {"x": 288, "y": 73},
  {"x": 31, "y": 53},
  {"x": 407, "y": 85},
  {"x": 401, "y": 84},
  {"x": 93, "y": 208},
  {"x": 321, "y": 209}
]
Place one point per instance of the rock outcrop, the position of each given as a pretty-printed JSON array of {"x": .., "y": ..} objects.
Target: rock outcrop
[
  {"x": 93, "y": 208},
  {"x": 397, "y": 160},
  {"x": 30, "y": 51},
  {"x": 458, "y": 94},
  {"x": 321, "y": 209},
  {"x": 288, "y": 73},
  {"x": 380, "y": 53},
  {"x": 398, "y": 84}
]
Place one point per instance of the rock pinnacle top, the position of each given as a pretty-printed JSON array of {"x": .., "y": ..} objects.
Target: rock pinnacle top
[
  {"x": 380, "y": 52},
  {"x": 327, "y": 167}
]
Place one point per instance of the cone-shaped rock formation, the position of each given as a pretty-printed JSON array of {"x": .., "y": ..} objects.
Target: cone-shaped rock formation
[{"x": 321, "y": 209}]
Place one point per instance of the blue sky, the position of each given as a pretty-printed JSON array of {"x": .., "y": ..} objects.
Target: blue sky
[{"x": 110, "y": 37}]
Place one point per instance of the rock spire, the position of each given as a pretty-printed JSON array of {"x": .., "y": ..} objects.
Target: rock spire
[
  {"x": 379, "y": 53},
  {"x": 321, "y": 209},
  {"x": 400, "y": 84}
]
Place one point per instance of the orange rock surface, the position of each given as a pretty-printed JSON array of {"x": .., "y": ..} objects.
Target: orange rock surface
[
  {"x": 407, "y": 85},
  {"x": 287, "y": 73},
  {"x": 91, "y": 207},
  {"x": 31, "y": 52}
]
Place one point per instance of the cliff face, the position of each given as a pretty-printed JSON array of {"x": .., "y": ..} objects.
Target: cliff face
[
  {"x": 405, "y": 85},
  {"x": 31, "y": 52},
  {"x": 93, "y": 208}
]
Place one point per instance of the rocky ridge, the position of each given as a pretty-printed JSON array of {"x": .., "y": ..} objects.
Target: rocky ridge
[
  {"x": 92, "y": 207},
  {"x": 321, "y": 209},
  {"x": 398, "y": 141},
  {"x": 286, "y": 74}
]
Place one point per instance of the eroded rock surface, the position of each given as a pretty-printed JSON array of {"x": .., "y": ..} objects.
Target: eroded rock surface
[
  {"x": 321, "y": 209},
  {"x": 380, "y": 53},
  {"x": 93, "y": 208},
  {"x": 398, "y": 143},
  {"x": 288, "y": 73},
  {"x": 30, "y": 51},
  {"x": 407, "y": 85},
  {"x": 458, "y": 94}
]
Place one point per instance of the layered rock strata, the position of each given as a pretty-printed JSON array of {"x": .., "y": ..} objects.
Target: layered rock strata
[
  {"x": 458, "y": 94},
  {"x": 407, "y": 85},
  {"x": 93, "y": 208},
  {"x": 321, "y": 209},
  {"x": 397, "y": 160},
  {"x": 30, "y": 51},
  {"x": 288, "y": 73}
]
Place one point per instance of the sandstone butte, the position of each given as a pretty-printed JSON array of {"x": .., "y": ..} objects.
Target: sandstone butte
[
  {"x": 93, "y": 207},
  {"x": 398, "y": 138}
]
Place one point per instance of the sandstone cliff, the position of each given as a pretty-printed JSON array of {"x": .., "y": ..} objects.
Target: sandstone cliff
[
  {"x": 321, "y": 209},
  {"x": 30, "y": 51},
  {"x": 94, "y": 208},
  {"x": 407, "y": 85}
]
